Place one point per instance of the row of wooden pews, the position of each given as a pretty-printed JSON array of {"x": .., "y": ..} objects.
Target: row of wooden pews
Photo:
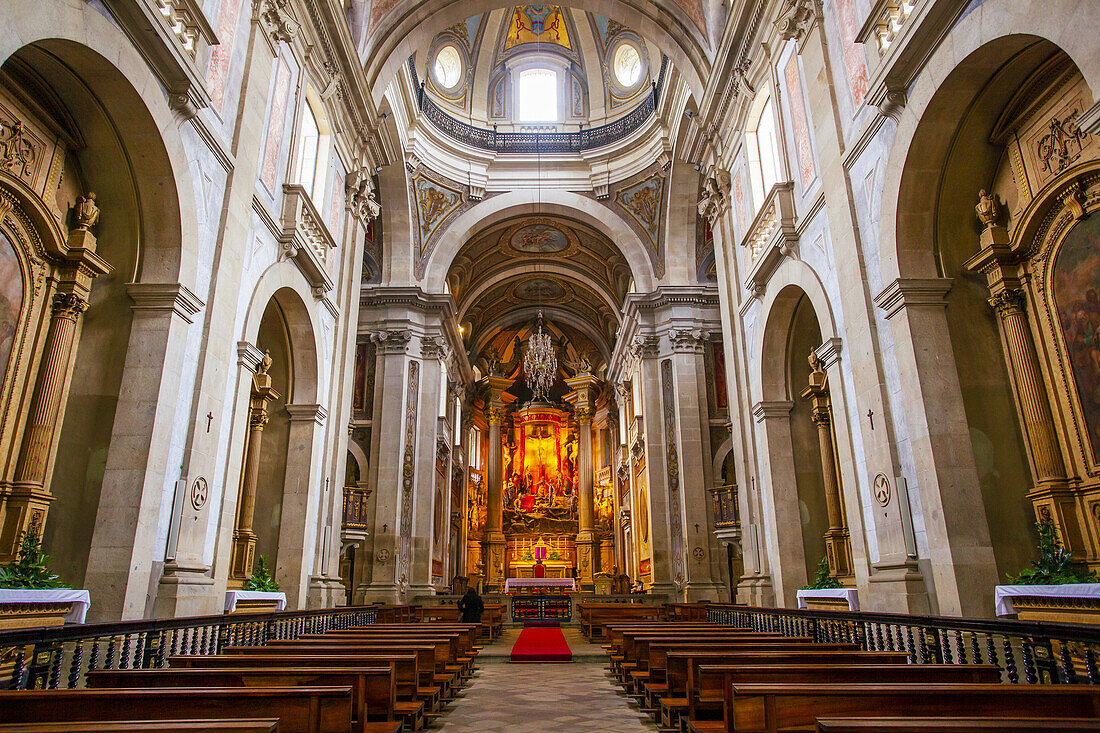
[
  {"x": 492, "y": 620},
  {"x": 379, "y": 678},
  {"x": 698, "y": 677}
]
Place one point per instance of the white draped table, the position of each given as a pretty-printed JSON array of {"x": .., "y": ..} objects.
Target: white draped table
[
  {"x": 1004, "y": 593},
  {"x": 80, "y": 599},
  {"x": 232, "y": 597},
  {"x": 848, "y": 594},
  {"x": 513, "y": 583}
]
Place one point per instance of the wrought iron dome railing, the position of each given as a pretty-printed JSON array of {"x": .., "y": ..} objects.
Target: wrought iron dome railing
[{"x": 539, "y": 142}]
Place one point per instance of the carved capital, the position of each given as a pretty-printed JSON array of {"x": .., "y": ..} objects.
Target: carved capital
[
  {"x": 687, "y": 339},
  {"x": 495, "y": 415},
  {"x": 795, "y": 18},
  {"x": 257, "y": 419},
  {"x": 820, "y": 416},
  {"x": 715, "y": 195},
  {"x": 583, "y": 415},
  {"x": 1009, "y": 302},
  {"x": 433, "y": 347},
  {"x": 391, "y": 342},
  {"x": 68, "y": 305},
  {"x": 644, "y": 347},
  {"x": 278, "y": 21}
]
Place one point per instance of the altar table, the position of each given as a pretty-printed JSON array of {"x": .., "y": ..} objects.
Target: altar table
[{"x": 530, "y": 584}]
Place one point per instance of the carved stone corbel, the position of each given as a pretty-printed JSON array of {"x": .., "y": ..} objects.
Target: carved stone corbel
[
  {"x": 279, "y": 22},
  {"x": 795, "y": 18}
]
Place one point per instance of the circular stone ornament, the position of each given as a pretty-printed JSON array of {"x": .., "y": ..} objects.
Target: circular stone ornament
[
  {"x": 199, "y": 493},
  {"x": 881, "y": 489}
]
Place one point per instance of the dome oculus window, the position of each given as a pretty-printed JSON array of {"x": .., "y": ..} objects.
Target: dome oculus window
[
  {"x": 627, "y": 65},
  {"x": 538, "y": 95},
  {"x": 447, "y": 67}
]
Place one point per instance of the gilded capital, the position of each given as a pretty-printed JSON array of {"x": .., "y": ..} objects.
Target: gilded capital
[
  {"x": 496, "y": 416},
  {"x": 68, "y": 305},
  {"x": 257, "y": 420},
  {"x": 583, "y": 414},
  {"x": 820, "y": 416},
  {"x": 1009, "y": 302}
]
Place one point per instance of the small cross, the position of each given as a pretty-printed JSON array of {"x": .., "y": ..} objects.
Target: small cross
[
  {"x": 209, "y": 420},
  {"x": 871, "y": 417}
]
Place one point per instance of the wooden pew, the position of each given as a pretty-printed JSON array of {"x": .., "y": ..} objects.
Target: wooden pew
[
  {"x": 409, "y": 681},
  {"x": 372, "y": 688},
  {"x": 683, "y": 659},
  {"x": 298, "y": 709},
  {"x": 593, "y": 615},
  {"x": 458, "y": 653},
  {"x": 951, "y": 725},
  {"x": 707, "y": 683},
  {"x": 771, "y": 707},
  {"x": 634, "y": 665},
  {"x": 147, "y": 726}
]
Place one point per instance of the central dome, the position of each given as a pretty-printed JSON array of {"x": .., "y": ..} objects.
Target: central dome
[{"x": 536, "y": 68}]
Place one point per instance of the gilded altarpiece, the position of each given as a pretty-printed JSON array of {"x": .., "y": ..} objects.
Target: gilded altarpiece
[
  {"x": 48, "y": 261},
  {"x": 1040, "y": 255}
]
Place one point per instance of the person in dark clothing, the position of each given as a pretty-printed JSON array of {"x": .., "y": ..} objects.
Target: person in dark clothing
[{"x": 471, "y": 607}]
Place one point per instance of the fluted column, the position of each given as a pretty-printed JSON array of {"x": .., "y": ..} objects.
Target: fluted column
[
  {"x": 1034, "y": 408},
  {"x": 52, "y": 377},
  {"x": 581, "y": 398},
  {"x": 244, "y": 539},
  {"x": 495, "y": 571}
]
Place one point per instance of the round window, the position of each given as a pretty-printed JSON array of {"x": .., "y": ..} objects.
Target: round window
[
  {"x": 448, "y": 67},
  {"x": 627, "y": 65}
]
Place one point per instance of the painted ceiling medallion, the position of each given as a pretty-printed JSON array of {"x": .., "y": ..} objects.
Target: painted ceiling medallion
[{"x": 539, "y": 236}]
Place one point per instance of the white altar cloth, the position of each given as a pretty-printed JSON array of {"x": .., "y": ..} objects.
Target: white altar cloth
[
  {"x": 567, "y": 583},
  {"x": 850, "y": 594},
  {"x": 1003, "y": 593},
  {"x": 80, "y": 599},
  {"x": 233, "y": 596}
]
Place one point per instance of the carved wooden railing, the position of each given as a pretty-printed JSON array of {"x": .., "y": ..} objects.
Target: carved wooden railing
[
  {"x": 726, "y": 513},
  {"x": 355, "y": 508},
  {"x": 1026, "y": 652},
  {"x": 60, "y": 657}
]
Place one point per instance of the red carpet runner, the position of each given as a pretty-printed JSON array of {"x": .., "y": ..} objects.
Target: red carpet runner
[{"x": 541, "y": 645}]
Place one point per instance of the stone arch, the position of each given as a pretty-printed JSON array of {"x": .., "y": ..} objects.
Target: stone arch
[
  {"x": 562, "y": 203},
  {"x": 282, "y": 284},
  {"x": 793, "y": 280},
  {"x": 82, "y": 38},
  {"x": 961, "y": 65},
  {"x": 412, "y": 26}
]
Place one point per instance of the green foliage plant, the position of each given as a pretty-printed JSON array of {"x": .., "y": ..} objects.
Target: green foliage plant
[
  {"x": 823, "y": 579},
  {"x": 1055, "y": 565},
  {"x": 30, "y": 569},
  {"x": 527, "y": 557},
  {"x": 261, "y": 577},
  {"x": 554, "y": 555}
]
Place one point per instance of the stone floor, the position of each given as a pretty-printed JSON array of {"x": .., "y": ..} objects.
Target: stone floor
[{"x": 542, "y": 698}]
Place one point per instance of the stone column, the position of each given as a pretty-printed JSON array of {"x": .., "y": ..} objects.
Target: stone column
[
  {"x": 581, "y": 399},
  {"x": 779, "y": 500},
  {"x": 391, "y": 375},
  {"x": 495, "y": 571},
  {"x": 244, "y": 539},
  {"x": 300, "y": 511},
  {"x": 837, "y": 544}
]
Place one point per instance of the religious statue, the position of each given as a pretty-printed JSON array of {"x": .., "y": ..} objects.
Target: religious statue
[
  {"x": 815, "y": 362},
  {"x": 986, "y": 209},
  {"x": 87, "y": 213},
  {"x": 265, "y": 363}
]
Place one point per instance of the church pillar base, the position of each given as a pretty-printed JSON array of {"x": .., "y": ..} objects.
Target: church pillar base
[
  {"x": 703, "y": 591},
  {"x": 586, "y": 570},
  {"x": 756, "y": 590},
  {"x": 378, "y": 593},
  {"x": 325, "y": 592},
  {"x": 186, "y": 591},
  {"x": 496, "y": 573},
  {"x": 896, "y": 587}
]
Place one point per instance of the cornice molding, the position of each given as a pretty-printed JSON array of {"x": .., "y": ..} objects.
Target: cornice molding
[
  {"x": 778, "y": 409},
  {"x": 163, "y": 297},
  {"x": 905, "y": 293}
]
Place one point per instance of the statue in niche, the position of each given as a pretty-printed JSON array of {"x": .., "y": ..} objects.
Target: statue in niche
[
  {"x": 265, "y": 363},
  {"x": 986, "y": 209},
  {"x": 87, "y": 213}
]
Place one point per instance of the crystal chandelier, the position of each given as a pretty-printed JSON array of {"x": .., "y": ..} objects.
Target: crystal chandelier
[{"x": 540, "y": 364}]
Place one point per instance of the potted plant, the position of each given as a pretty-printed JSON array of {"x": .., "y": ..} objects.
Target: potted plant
[
  {"x": 260, "y": 591},
  {"x": 1054, "y": 588},
  {"x": 31, "y": 595},
  {"x": 822, "y": 595}
]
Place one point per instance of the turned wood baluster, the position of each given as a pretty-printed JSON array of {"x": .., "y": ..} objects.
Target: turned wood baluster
[
  {"x": 1031, "y": 673},
  {"x": 17, "y": 672},
  {"x": 93, "y": 655},
  {"x": 74, "y": 665},
  {"x": 1010, "y": 662},
  {"x": 109, "y": 662},
  {"x": 960, "y": 649},
  {"x": 55, "y": 668},
  {"x": 975, "y": 649},
  {"x": 1068, "y": 671}
]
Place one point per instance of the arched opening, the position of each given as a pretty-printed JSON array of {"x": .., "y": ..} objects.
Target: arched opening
[
  {"x": 76, "y": 108},
  {"x": 273, "y": 338}
]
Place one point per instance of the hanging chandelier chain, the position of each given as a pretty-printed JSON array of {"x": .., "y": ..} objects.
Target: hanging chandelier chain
[{"x": 540, "y": 363}]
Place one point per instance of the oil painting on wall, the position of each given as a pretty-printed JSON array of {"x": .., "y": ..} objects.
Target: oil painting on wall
[
  {"x": 1076, "y": 288},
  {"x": 11, "y": 298}
]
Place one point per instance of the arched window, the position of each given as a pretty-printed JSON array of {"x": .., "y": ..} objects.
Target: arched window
[
  {"x": 313, "y": 152},
  {"x": 763, "y": 153},
  {"x": 447, "y": 67},
  {"x": 538, "y": 95},
  {"x": 627, "y": 65}
]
